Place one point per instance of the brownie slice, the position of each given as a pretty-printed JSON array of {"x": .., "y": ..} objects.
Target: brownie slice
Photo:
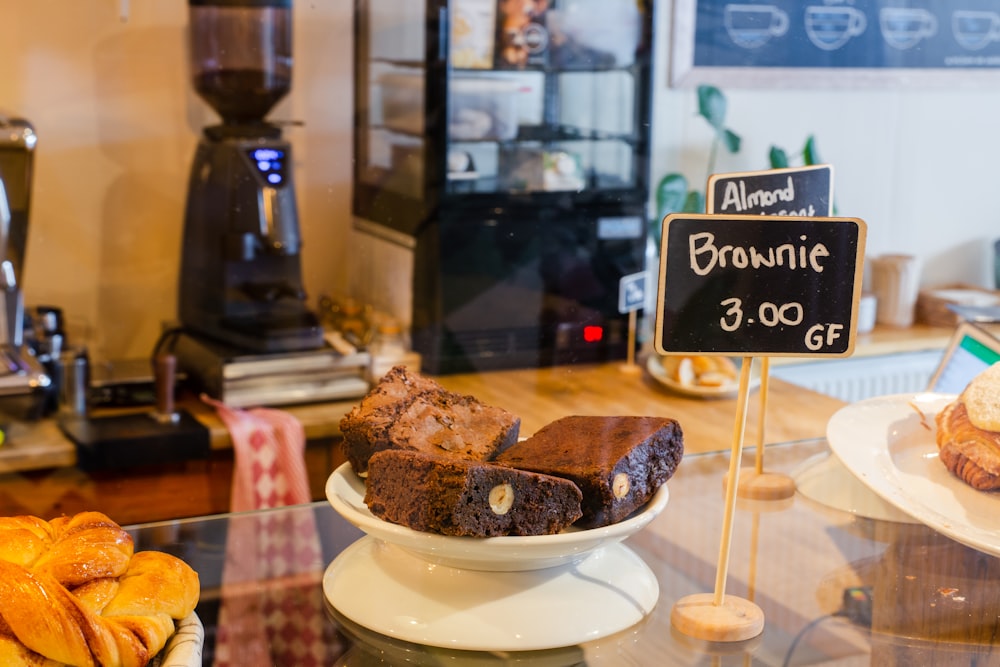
[
  {"x": 618, "y": 462},
  {"x": 408, "y": 411},
  {"x": 452, "y": 496}
]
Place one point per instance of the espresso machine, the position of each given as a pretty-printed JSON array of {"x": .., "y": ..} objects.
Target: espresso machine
[
  {"x": 247, "y": 334},
  {"x": 240, "y": 281},
  {"x": 24, "y": 381}
]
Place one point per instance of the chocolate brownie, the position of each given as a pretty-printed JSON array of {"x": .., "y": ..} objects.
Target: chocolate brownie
[
  {"x": 453, "y": 496},
  {"x": 408, "y": 411},
  {"x": 618, "y": 462}
]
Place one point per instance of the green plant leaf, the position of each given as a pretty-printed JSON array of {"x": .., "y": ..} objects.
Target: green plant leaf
[
  {"x": 809, "y": 154},
  {"x": 695, "y": 202},
  {"x": 731, "y": 141},
  {"x": 778, "y": 158},
  {"x": 712, "y": 106},
  {"x": 670, "y": 194}
]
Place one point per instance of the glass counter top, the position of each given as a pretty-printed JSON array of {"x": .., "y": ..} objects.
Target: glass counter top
[{"x": 841, "y": 579}]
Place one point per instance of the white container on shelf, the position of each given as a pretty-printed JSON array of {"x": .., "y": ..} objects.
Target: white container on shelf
[
  {"x": 482, "y": 109},
  {"x": 402, "y": 96}
]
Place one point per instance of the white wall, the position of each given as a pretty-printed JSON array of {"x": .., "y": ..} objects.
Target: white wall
[{"x": 118, "y": 122}]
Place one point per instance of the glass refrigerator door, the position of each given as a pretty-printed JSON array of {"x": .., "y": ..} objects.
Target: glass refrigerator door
[
  {"x": 546, "y": 96},
  {"x": 467, "y": 103},
  {"x": 394, "y": 132}
]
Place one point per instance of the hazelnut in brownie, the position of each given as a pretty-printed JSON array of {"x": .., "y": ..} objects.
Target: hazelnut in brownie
[
  {"x": 618, "y": 462},
  {"x": 405, "y": 410},
  {"x": 453, "y": 496}
]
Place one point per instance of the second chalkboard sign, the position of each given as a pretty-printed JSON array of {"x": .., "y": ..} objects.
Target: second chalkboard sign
[
  {"x": 803, "y": 191},
  {"x": 759, "y": 285}
]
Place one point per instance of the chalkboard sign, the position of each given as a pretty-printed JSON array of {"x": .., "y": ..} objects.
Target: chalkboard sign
[
  {"x": 632, "y": 292},
  {"x": 940, "y": 41},
  {"x": 801, "y": 191},
  {"x": 759, "y": 285}
]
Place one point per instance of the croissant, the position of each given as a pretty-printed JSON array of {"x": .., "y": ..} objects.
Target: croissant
[
  {"x": 74, "y": 592},
  {"x": 972, "y": 454},
  {"x": 968, "y": 432}
]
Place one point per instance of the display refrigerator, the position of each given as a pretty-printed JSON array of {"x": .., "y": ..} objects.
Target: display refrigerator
[{"x": 505, "y": 145}]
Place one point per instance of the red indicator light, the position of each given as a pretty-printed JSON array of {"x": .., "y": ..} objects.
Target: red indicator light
[{"x": 592, "y": 334}]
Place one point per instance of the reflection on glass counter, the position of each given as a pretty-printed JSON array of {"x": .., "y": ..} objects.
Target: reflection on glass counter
[{"x": 839, "y": 583}]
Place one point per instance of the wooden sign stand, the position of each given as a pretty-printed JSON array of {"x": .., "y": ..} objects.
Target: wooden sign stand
[
  {"x": 710, "y": 300},
  {"x": 631, "y": 296},
  {"x": 717, "y": 616},
  {"x": 758, "y": 484},
  {"x": 802, "y": 191},
  {"x": 630, "y": 366}
]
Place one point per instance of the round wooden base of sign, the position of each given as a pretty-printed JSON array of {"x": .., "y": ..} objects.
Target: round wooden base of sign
[
  {"x": 763, "y": 486},
  {"x": 716, "y": 649},
  {"x": 734, "y": 620},
  {"x": 631, "y": 369}
]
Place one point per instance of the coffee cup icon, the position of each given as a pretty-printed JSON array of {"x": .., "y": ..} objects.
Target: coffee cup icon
[
  {"x": 974, "y": 29},
  {"x": 752, "y": 26},
  {"x": 829, "y": 28},
  {"x": 905, "y": 27}
]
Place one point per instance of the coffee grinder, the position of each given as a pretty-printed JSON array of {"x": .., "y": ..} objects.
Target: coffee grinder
[
  {"x": 240, "y": 279},
  {"x": 246, "y": 334}
]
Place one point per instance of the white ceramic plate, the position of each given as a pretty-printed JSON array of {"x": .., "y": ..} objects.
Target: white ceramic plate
[
  {"x": 654, "y": 364},
  {"x": 371, "y": 648},
  {"x": 346, "y": 492},
  {"x": 184, "y": 648},
  {"x": 825, "y": 480},
  {"x": 888, "y": 443},
  {"x": 389, "y": 590}
]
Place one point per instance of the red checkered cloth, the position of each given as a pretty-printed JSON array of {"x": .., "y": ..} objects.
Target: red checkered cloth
[{"x": 272, "y": 610}]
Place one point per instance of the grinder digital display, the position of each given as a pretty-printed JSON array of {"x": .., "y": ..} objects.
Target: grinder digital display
[{"x": 270, "y": 162}]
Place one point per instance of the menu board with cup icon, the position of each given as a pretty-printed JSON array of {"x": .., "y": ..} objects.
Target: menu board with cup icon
[
  {"x": 759, "y": 285},
  {"x": 724, "y": 37}
]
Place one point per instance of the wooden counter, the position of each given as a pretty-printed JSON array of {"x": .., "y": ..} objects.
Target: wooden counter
[
  {"x": 889, "y": 340},
  {"x": 536, "y": 395},
  {"x": 893, "y": 340},
  {"x": 41, "y": 444},
  {"x": 540, "y": 395},
  {"x": 38, "y": 471}
]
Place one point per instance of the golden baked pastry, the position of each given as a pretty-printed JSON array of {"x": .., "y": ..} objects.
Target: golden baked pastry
[
  {"x": 982, "y": 399},
  {"x": 970, "y": 451},
  {"x": 700, "y": 370},
  {"x": 73, "y": 592}
]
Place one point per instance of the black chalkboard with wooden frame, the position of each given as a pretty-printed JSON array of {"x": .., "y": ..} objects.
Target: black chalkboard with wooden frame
[
  {"x": 745, "y": 285},
  {"x": 803, "y": 191}
]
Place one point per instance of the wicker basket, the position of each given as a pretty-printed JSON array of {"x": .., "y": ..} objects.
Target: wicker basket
[{"x": 932, "y": 302}]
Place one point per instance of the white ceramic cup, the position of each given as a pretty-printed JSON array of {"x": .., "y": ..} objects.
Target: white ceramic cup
[{"x": 867, "y": 308}]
